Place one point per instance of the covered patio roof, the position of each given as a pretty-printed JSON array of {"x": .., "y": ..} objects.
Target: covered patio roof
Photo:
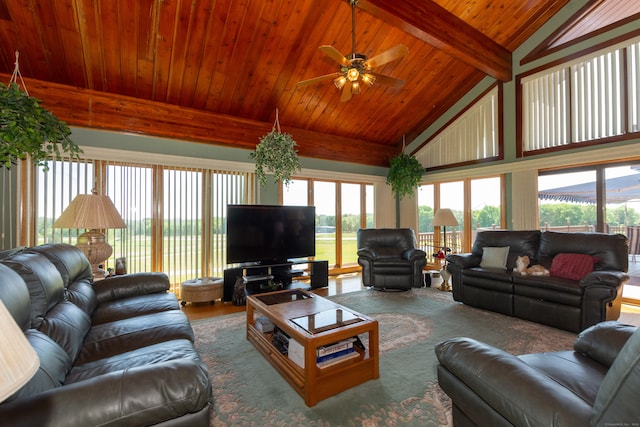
[{"x": 619, "y": 190}]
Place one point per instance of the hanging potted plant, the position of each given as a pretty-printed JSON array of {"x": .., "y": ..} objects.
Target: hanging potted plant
[
  {"x": 276, "y": 153},
  {"x": 28, "y": 129},
  {"x": 405, "y": 173}
]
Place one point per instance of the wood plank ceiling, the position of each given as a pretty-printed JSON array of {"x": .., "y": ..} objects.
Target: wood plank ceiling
[{"x": 215, "y": 71}]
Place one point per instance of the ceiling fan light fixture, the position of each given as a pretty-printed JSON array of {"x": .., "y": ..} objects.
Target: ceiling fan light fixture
[
  {"x": 355, "y": 87},
  {"x": 368, "y": 79},
  {"x": 353, "y": 74},
  {"x": 340, "y": 82}
]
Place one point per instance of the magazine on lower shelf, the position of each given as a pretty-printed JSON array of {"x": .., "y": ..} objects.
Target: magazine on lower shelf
[{"x": 329, "y": 362}]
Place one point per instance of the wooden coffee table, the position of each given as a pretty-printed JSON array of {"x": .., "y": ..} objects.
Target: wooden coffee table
[{"x": 295, "y": 312}]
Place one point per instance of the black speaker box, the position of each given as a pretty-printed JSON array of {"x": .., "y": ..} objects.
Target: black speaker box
[{"x": 319, "y": 274}]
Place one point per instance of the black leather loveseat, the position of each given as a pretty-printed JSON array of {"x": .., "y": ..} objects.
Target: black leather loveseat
[
  {"x": 570, "y": 303},
  {"x": 390, "y": 258},
  {"x": 116, "y": 352},
  {"x": 596, "y": 384}
]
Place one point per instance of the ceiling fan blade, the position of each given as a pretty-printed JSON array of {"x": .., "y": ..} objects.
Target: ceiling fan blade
[
  {"x": 346, "y": 93},
  {"x": 318, "y": 79},
  {"x": 389, "y": 55},
  {"x": 388, "y": 81},
  {"x": 334, "y": 54}
]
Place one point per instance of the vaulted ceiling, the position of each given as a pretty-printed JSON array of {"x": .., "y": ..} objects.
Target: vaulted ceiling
[{"x": 216, "y": 71}]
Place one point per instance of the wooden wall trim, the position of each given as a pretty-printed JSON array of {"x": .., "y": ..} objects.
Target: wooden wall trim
[{"x": 100, "y": 110}]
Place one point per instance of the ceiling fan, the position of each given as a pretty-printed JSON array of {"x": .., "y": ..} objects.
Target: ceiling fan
[{"x": 357, "y": 66}]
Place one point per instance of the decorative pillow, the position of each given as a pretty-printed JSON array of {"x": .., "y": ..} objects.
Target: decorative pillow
[
  {"x": 494, "y": 257},
  {"x": 572, "y": 266}
]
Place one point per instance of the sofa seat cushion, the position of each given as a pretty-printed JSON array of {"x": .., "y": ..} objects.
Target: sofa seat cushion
[
  {"x": 392, "y": 266},
  {"x": 144, "y": 356},
  {"x": 548, "y": 288},
  {"x": 134, "y": 306},
  {"x": 574, "y": 371},
  {"x": 109, "y": 339},
  {"x": 488, "y": 278}
]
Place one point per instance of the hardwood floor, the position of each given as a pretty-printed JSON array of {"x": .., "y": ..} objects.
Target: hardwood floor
[
  {"x": 337, "y": 285},
  {"x": 340, "y": 284}
]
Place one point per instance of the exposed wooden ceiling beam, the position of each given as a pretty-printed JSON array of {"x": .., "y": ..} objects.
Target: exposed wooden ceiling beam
[
  {"x": 108, "y": 111},
  {"x": 434, "y": 25}
]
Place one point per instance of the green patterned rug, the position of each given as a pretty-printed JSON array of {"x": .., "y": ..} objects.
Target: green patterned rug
[{"x": 249, "y": 392}]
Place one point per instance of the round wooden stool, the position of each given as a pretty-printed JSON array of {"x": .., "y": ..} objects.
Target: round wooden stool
[{"x": 201, "y": 290}]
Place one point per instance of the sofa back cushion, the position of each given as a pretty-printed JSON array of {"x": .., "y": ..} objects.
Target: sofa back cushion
[
  {"x": 519, "y": 242},
  {"x": 53, "y": 369},
  {"x": 43, "y": 281},
  {"x": 617, "y": 399},
  {"x": 75, "y": 270},
  {"x": 610, "y": 249},
  {"x": 15, "y": 296},
  {"x": 62, "y": 321}
]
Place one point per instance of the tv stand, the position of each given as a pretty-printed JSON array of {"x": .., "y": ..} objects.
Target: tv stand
[{"x": 257, "y": 276}]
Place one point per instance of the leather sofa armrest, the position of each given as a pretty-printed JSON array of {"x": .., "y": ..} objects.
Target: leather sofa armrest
[
  {"x": 518, "y": 392},
  {"x": 413, "y": 254},
  {"x": 603, "y": 341},
  {"x": 463, "y": 261},
  {"x": 366, "y": 253},
  {"x": 130, "y": 285},
  {"x": 604, "y": 277},
  {"x": 146, "y": 395}
]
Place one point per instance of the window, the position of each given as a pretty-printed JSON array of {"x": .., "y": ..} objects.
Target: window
[
  {"x": 175, "y": 216},
  {"x": 586, "y": 100},
  {"x": 484, "y": 211},
  {"x": 472, "y": 136},
  {"x": 341, "y": 209}
]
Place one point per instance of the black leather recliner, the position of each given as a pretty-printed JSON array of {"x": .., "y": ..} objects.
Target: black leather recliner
[{"x": 390, "y": 259}]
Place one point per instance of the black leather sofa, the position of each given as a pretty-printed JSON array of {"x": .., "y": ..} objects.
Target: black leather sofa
[
  {"x": 596, "y": 384},
  {"x": 114, "y": 352},
  {"x": 564, "y": 303},
  {"x": 390, "y": 259}
]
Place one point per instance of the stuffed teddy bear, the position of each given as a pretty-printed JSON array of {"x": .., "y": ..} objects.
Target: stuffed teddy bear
[{"x": 522, "y": 267}]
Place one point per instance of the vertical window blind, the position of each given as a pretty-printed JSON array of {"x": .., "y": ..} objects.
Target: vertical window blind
[
  {"x": 582, "y": 101},
  {"x": 472, "y": 136},
  {"x": 176, "y": 217}
]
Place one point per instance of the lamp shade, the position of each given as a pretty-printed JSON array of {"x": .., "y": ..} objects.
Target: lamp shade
[
  {"x": 444, "y": 217},
  {"x": 18, "y": 360},
  {"x": 95, "y": 211}
]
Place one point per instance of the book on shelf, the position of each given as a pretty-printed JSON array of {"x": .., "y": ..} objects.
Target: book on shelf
[
  {"x": 329, "y": 362},
  {"x": 335, "y": 347},
  {"x": 335, "y": 354}
]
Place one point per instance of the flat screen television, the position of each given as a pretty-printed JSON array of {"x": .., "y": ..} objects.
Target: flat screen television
[{"x": 270, "y": 234}]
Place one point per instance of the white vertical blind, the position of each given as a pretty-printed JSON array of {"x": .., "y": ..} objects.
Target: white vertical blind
[
  {"x": 583, "y": 100},
  {"x": 633, "y": 64},
  {"x": 472, "y": 136},
  {"x": 544, "y": 107},
  {"x": 177, "y": 201}
]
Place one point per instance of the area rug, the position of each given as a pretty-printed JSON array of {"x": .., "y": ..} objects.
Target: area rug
[{"x": 247, "y": 390}]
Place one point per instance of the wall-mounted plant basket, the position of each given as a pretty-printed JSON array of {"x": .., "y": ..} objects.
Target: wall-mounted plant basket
[
  {"x": 276, "y": 153},
  {"x": 27, "y": 129}
]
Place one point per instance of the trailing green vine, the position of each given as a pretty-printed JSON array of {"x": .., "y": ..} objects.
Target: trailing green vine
[
  {"x": 405, "y": 173},
  {"x": 28, "y": 129},
  {"x": 276, "y": 153}
]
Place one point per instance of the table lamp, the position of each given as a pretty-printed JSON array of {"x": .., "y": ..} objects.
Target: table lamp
[
  {"x": 443, "y": 218},
  {"x": 18, "y": 360},
  {"x": 95, "y": 212}
]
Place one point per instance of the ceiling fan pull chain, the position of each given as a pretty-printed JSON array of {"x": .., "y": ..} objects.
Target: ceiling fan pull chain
[
  {"x": 276, "y": 124},
  {"x": 16, "y": 73}
]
